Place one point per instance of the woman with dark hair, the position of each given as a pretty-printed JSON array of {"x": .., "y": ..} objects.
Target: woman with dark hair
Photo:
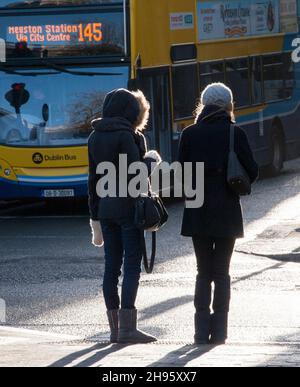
[
  {"x": 219, "y": 222},
  {"x": 125, "y": 114}
]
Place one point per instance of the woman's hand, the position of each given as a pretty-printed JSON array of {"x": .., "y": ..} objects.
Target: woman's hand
[
  {"x": 152, "y": 160},
  {"x": 97, "y": 233},
  {"x": 154, "y": 156}
]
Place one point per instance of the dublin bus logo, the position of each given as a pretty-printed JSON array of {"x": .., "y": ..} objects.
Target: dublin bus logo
[
  {"x": 2, "y": 311},
  {"x": 37, "y": 158},
  {"x": 2, "y": 51}
]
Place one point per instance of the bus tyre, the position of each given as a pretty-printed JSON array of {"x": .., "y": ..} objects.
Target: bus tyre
[{"x": 277, "y": 153}]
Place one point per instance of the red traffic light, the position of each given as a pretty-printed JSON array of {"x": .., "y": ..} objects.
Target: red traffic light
[
  {"x": 17, "y": 96},
  {"x": 18, "y": 86}
]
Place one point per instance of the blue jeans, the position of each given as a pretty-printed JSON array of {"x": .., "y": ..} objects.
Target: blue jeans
[{"x": 122, "y": 244}]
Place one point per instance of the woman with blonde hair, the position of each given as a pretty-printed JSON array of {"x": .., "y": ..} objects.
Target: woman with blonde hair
[
  {"x": 117, "y": 133},
  {"x": 219, "y": 222}
]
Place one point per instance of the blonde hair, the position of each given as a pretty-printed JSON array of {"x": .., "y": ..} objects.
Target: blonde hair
[{"x": 144, "y": 104}]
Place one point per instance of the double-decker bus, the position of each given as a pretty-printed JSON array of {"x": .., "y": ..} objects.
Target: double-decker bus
[{"x": 63, "y": 56}]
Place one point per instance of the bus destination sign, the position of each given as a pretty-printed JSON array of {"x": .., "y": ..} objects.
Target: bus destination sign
[
  {"x": 81, "y": 33},
  {"x": 63, "y": 35}
]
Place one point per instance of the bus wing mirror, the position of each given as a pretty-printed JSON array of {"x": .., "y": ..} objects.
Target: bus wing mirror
[{"x": 45, "y": 112}]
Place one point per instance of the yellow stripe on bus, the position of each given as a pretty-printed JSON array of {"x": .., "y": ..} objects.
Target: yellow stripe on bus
[{"x": 41, "y": 158}]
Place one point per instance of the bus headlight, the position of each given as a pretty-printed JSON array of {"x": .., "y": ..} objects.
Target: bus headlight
[{"x": 7, "y": 172}]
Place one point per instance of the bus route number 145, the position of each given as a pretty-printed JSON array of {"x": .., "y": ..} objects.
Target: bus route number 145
[{"x": 91, "y": 32}]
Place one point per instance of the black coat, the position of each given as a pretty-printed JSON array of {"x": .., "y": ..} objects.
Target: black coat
[
  {"x": 110, "y": 138},
  {"x": 208, "y": 141}
]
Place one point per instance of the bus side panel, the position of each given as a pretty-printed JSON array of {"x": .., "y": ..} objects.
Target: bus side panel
[
  {"x": 258, "y": 133},
  {"x": 292, "y": 134}
]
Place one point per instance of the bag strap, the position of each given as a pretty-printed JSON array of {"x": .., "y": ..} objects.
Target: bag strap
[
  {"x": 148, "y": 266},
  {"x": 232, "y": 133}
]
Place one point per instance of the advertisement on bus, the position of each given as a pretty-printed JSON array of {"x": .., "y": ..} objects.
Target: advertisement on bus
[{"x": 235, "y": 19}]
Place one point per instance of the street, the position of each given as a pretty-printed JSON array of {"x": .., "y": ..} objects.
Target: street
[{"x": 51, "y": 275}]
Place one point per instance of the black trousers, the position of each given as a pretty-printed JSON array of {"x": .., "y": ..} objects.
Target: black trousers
[{"x": 213, "y": 263}]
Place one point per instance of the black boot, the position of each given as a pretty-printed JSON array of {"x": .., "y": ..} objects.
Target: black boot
[
  {"x": 202, "y": 328},
  {"x": 219, "y": 320},
  {"x": 128, "y": 332},
  {"x": 113, "y": 319},
  {"x": 202, "y": 305},
  {"x": 219, "y": 328}
]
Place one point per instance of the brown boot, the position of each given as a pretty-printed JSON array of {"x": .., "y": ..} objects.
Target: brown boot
[
  {"x": 113, "y": 319},
  {"x": 128, "y": 332}
]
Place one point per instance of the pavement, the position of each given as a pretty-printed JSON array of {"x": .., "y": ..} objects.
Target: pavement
[
  {"x": 23, "y": 348},
  {"x": 50, "y": 278}
]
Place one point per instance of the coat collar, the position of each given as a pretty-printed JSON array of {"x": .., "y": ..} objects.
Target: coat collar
[
  {"x": 114, "y": 124},
  {"x": 212, "y": 113}
]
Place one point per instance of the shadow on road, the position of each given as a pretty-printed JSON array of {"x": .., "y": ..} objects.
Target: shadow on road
[
  {"x": 97, "y": 352},
  {"x": 257, "y": 273},
  {"x": 294, "y": 256},
  {"x": 290, "y": 354},
  {"x": 182, "y": 356},
  {"x": 165, "y": 306}
]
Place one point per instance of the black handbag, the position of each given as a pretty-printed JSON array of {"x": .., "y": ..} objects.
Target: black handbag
[
  {"x": 150, "y": 212},
  {"x": 237, "y": 176},
  {"x": 150, "y": 216}
]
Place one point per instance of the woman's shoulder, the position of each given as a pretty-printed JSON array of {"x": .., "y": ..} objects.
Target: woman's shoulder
[
  {"x": 141, "y": 141},
  {"x": 134, "y": 138},
  {"x": 240, "y": 132},
  {"x": 91, "y": 137},
  {"x": 189, "y": 130}
]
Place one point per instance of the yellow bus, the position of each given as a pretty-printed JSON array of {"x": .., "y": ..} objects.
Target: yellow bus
[{"x": 63, "y": 56}]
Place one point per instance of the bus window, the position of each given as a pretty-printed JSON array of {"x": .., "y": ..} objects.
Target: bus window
[
  {"x": 237, "y": 78},
  {"x": 185, "y": 90},
  {"x": 274, "y": 77},
  {"x": 146, "y": 85},
  {"x": 211, "y": 72},
  {"x": 73, "y": 102},
  {"x": 289, "y": 75},
  {"x": 256, "y": 80},
  {"x": 50, "y": 3}
]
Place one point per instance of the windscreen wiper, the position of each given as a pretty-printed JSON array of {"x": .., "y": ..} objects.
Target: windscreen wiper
[
  {"x": 59, "y": 69},
  {"x": 27, "y": 73},
  {"x": 62, "y": 69}
]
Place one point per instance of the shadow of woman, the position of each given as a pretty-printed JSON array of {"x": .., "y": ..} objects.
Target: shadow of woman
[
  {"x": 182, "y": 356},
  {"x": 92, "y": 356}
]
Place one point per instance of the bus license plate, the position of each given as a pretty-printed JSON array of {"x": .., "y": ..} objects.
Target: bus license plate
[{"x": 59, "y": 193}]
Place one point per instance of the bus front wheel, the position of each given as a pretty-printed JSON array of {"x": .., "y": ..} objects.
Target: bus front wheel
[{"x": 277, "y": 153}]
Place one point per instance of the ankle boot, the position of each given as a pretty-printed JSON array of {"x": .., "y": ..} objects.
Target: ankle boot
[
  {"x": 202, "y": 328},
  {"x": 219, "y": 328},
  {"x": 113, "y": 319},
  {"x": 128, "y": 332}
]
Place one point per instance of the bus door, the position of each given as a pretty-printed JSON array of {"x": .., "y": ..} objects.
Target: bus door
[{"x": 155, "y": 84}]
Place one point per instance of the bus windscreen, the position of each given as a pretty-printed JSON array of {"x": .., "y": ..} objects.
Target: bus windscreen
[
  {"x": 45, "y": 107},
  {"x": 63, "y": 35}
]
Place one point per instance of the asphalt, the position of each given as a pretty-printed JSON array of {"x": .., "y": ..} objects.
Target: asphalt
[{"x": 50, "y": 278}]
